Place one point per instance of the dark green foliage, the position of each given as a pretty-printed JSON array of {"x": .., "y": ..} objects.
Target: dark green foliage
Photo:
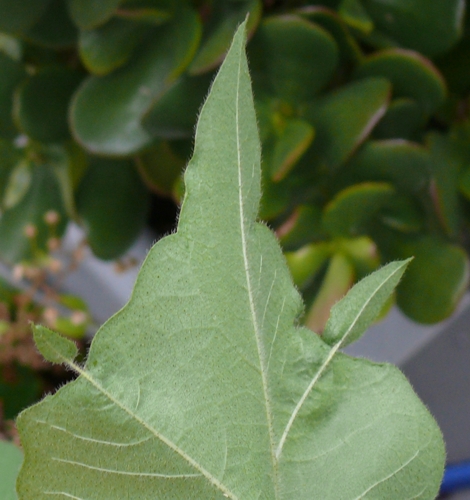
[{"x": 362, "y": 107}]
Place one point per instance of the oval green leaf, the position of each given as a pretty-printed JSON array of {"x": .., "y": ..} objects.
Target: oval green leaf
[
  {"x": 435, "y": 281},
  {"x": 427, "y": 27},
  {"x": 402, "y": 120},
  {"x": 12, "y": 73},
  {"x": 18, "y": 16},
  {"x": 349, "y": 212},
  {"x": 106, "y": 112},
  {"x": 42, "y": 102},
  {"x": 404, "y": 164},
  {"x": 411, "y": 75},
  {"x": 55, "y": 28},
  {"x": 88, "y": 14},
  {"x": 112, "y": 204},
  {"x": 292, "y": 58},
  {"x": 105, "y": 48},
  {"x": 344, "y": 119}
]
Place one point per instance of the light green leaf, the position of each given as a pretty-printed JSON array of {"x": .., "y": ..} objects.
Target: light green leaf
[
  {"x": 53, "y": 346},
  {"x": 10, "y": 462},
  {"x": 18, "y": 184},
  {"x": 203, "y": 387},
  {"x": 353, "y": 314}
]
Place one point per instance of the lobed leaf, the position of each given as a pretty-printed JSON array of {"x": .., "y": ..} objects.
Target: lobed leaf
[{"x": 203, "y": 387}]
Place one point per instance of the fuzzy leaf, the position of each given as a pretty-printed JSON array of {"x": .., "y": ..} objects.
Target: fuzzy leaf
[
  {"x": 53, "y": 346},
  {"x": 353, "y": 314},
  {"x": 203, "y": 387}
]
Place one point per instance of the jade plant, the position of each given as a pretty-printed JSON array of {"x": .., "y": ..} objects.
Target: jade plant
[
  {"x": 205, "y": 386},
  {"x": 363, "y": 114}
]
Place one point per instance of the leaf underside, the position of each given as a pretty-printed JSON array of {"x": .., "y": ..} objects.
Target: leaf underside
[{"x": 204, "y": 387}]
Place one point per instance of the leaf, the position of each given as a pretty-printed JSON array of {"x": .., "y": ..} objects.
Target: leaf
[
  {"x": 12, "y": 73},
  {"x": 353, "y": 314},
  {"x": 10, "y": 462},
  {"x": 202, "y": 387},
  {"x": 436, "y": 280},
  {"x": 112, "y": 204},
  {"x": 47, "y": 93},
  {"x": 19, "y": 16},
  {"x": 402, "y": 120},
  {"x": 411, "y": 75},
  {"x": 107, "y": 47},
  {"x": 55, "y": 28},
  {"x": 428, "y": 27},
  {"x": 18, "y": 184},
  {"x": 344, "y": 119},
  {"x": 54, "y": 347},
  {"x": 106, "y": 111},
  {"x": 348, "y": 213},
  {"x": 292, "y": 57},
  {"x": 290, "y": 144},
  {"x": 88, "y": 14}
]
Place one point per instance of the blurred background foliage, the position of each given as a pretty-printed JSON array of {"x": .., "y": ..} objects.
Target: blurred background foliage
[{"x": 363, "y": 109}]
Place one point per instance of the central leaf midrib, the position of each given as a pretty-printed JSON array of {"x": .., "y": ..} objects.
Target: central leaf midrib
[
  {"x": 256, "y": 328},
  {"x": 213, "y": 480}
]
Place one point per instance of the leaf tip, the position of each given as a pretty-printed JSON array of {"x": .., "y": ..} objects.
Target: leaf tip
[{"x": 53, "y": 346}]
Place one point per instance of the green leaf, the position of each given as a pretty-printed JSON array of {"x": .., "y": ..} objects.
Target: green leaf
[
  {"x": 292, "y": 58},
  {"x": 88, "y": 14},
  {"x": 203, "y": 387},
  {"x": 329, "y": 20},
  {"x": 411, "y": 75},
  {"x": 55, "y": 28},
  {"x": 18, "y": 184},
  {"x": 353, "y": 314},
  {"x": 348, "y": 213},
  {"x": 436, "y": 280},
  {"x": 12, "y": 73},
  {"x": 404, "y": 164},
  {"x": 160, "y": 168},
  {"x": 106, "y": 111},
  {"x": 403, "y": 118},
  {"x": 225, "y": 16},
  {"x": 47, "y": 93},
  {"x": 112, "y": 204},
  {"x": 111, "y": 45},
  {"x": 10, "y": 463},
  {"x": 54, "y": 347},
  {"x": 353, "y": 12},
  {"x": 427, "y": 27},
  {"x": 20, "y": 15},
  {"x": 9, "y": 159},
  {"x": 344, "y": 119},
  {"x": 445, "y": 168},
  {"x": 290, "y": 144}
]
